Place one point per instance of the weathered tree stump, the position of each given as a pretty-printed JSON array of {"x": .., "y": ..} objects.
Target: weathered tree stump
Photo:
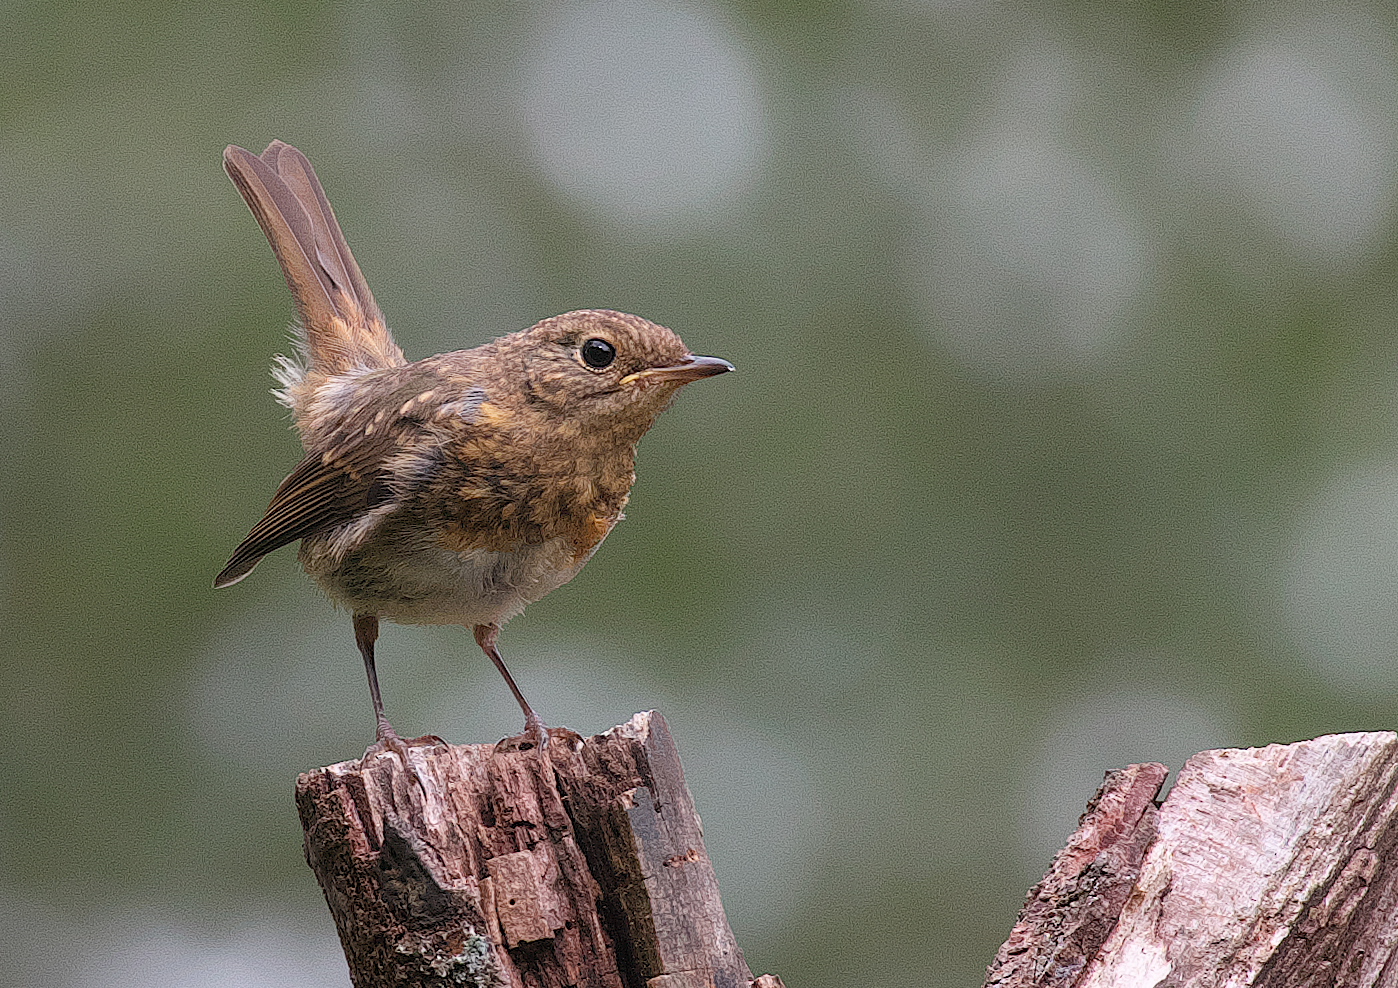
[
  {"x": 1273, "y": 866},
  {"x": 583, "y": 865}
]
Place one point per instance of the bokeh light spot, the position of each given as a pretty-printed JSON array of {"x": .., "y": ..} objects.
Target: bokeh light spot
[
  {"x": 1024, "y": 261},
  {"x": 647, "y": 112},
  {"x": 1298, "y": 128},
  {"x": 1340, "y": 580}
]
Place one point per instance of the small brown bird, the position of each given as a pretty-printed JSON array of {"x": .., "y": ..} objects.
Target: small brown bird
[{"x": 451, "y": 490}]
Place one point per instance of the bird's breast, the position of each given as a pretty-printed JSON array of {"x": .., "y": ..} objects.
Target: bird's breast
[
  {"x": 424, "y": 578},
  {"x": 498, "y": 495},
  {"x": 478, "y": 528}
]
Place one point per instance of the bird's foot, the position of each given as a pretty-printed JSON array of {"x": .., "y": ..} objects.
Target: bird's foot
[
  {"x": 426, "y": 741},
  {"x": 537, "y": 735},
  {"x": 388, "y": 740}
]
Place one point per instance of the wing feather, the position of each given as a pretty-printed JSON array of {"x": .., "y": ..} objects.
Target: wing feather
[
  {"x": 351, "y": 469},
  {"x": 315, "y": 497}
]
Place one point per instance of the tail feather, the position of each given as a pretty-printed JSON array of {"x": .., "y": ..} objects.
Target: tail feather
[{"x": 344, "y": 330}]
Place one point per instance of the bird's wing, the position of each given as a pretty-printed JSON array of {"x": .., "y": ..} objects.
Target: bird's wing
[
  {"x": 321, "y": 493},
  {"x": 349, "y": 466}
]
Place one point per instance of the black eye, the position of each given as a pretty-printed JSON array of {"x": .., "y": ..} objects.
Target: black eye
[{"x": 598, "y": 353}]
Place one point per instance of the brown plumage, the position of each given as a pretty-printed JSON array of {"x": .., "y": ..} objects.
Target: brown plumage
[{"x": 455, "y": 489}]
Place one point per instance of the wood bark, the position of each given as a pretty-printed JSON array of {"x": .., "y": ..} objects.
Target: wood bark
[
  {"x": 581, "y": 865},
  {"x": 1273, "y": 867}
]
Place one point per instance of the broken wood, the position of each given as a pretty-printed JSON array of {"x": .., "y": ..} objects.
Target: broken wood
[
  {"x": 1273, "y": 866},
  {"x": 582, "y": 865}
]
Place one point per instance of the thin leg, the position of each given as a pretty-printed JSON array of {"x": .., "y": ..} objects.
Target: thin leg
[
  {"x": 534, "y": 729},
  {"x": 366, "y": 632}
]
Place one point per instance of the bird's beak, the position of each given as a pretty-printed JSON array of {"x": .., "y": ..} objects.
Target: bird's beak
[{"x": 692, "y": 368}]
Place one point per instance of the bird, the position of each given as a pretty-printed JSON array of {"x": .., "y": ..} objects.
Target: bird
[{"x": 456, "y": 489}]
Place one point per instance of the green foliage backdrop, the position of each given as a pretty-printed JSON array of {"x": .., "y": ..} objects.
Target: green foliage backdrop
[{"x": 1063, "y": 435}]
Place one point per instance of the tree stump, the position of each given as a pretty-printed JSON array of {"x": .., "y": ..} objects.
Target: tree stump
[
  {"x": 1273, "y": 866},
  {"x": 581, "y": 865}
]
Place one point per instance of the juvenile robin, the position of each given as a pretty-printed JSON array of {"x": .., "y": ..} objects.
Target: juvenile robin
[{"x": 455, "y": 489}]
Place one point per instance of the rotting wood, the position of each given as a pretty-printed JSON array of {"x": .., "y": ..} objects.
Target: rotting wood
[
  {"x": 1273, "y": 867},
  {"x": 581, "y": 866}
]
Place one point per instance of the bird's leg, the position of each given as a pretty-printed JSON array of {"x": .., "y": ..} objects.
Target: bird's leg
[
  {"x": 366, "y": 632},
  {"x": 534, "y": 729}
]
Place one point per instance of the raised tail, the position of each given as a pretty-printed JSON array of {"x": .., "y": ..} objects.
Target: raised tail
[{"x": 344, "y": 330}]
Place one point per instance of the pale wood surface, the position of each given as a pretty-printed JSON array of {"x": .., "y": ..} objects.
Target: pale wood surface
[
  {"x": 585, "y": 866},
  {"x": 1072, "y": 911},
  {"x": 1273, "y": 866}
]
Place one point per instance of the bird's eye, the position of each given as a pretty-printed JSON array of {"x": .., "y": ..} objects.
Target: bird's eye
[{"x": 598, "y": 353}]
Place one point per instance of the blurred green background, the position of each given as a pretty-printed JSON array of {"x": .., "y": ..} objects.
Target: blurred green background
[{"x": 1063, "y": 435}]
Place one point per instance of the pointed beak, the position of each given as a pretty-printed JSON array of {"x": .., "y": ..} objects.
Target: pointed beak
[{"x": 692, "y": 368}]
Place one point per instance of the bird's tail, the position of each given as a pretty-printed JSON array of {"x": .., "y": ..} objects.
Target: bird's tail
[{"x": 341, "y": 328}]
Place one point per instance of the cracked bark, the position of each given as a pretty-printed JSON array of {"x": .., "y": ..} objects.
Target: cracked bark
[
  {"x": 585, "y": 866},
  {"x": 1272, "y": 867}
]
